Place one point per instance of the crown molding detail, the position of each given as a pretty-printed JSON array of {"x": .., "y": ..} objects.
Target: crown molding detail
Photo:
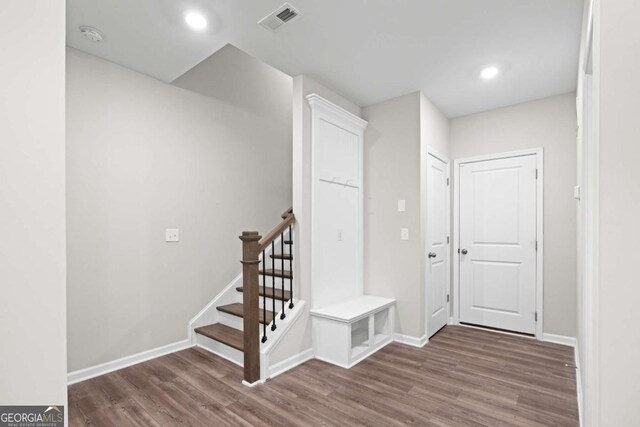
[{"x": 324, "y": 106}]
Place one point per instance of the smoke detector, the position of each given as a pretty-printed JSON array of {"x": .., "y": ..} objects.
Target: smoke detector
[
  {"x": 279, "y": 17},
  {"x": 92, "y": 34}
]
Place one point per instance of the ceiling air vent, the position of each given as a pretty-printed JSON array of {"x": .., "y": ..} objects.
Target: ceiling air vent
[{"x": 279, "y": 17}]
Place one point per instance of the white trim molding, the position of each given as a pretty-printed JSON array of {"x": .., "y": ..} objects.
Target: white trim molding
[
  {"x": 571, "y": 342},
  {"x": 412, "y": 341},
  {"x": 539, "y": 153},
  {"x": 276, "y": 336},
  {"x": 579, "y": 389},
  {"x": 123, "y": 362},
  {"x": 337, "y": 113},
  {"x": 560, "y": 339},
  {"x": 290, "y": 363}
]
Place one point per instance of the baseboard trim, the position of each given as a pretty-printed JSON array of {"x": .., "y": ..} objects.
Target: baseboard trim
[
  {"x": 412, "y": 341},
  {"x": 123, "y": 362},
  {"x": 290, "y": 363},
  {"x": 571, "y": 342},
  {"x": 579, "y": 385},
  {"x": 560, "y": 339}
]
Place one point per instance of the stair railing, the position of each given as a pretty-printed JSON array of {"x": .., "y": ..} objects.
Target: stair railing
[{"x": 252, "y": 246}]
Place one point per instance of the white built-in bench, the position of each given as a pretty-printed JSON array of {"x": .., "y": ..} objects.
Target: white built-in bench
[{"x": 347, "y": 332}]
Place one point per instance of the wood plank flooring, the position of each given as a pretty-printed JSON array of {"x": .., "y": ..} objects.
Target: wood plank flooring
[{"x": 463, "y": 377}]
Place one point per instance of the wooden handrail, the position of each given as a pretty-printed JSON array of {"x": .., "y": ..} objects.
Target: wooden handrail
[
  {"x": 286, "y": 213},
  {"x": 279, "y": 229}
]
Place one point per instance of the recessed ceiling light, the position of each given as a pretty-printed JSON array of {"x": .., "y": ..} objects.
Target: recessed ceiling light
[
  {"x": 195, "y": 20},
  {"x": 489, "y": 73}
]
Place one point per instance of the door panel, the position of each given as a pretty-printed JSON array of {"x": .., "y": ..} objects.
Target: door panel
[
  {"x": 436, "y": 269},
  {"x": 498, "y": 231}
]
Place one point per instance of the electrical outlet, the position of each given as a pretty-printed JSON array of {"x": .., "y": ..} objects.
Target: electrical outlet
[
  {"x": 404, "y": 234},
  {"x": 339, "y": 235},
  {"x": 402, "y": 206},
  {"x": 172, "y": 235}
]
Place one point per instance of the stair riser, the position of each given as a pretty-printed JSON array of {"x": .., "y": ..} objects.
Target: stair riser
[
  {"x": 238, "y": 322},
  {"x": 239, "y": 295},
  {"x": 231, "y": 320},
  {"x": 260, "y": 304},
  {"x": 220, "y": 349}
]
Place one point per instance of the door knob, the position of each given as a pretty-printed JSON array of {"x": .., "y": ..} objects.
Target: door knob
[
  {"x": 464, "y": 251},
  {"x": 432, "y": 255}
]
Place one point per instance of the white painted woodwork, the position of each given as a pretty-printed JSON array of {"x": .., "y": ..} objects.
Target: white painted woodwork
[
  {"x": 337, "y": 204},
  {"x": 498, "y": 220},
  {"x": 348, "y": 332},
  {"x": 437, "y": 231},
  {"x": 347, "y": 326}
]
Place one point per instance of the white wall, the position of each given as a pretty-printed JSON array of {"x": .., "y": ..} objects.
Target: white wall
[
  {"x": 299, "y": 336},
  {"x": 32, "y": 204},
  {"x": 392, "y": 172},
  {"x": 548, "y": 123},
  {"x": 434, "y": 127},
  {"x": 616, "y": 315},
  {"x": 399, "y": 131},
  {"x": 143, "y": 156}
]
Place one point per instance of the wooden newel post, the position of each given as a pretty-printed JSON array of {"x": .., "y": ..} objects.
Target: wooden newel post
[{"x": 250, "y": 283}]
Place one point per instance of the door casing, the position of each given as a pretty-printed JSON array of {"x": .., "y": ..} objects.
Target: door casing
[{"x": 538, "y": 152}]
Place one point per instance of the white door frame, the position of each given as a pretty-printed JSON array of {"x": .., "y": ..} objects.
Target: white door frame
[
  {"x": 445, "y": 159},
  {"x": 538, "y": 152}
]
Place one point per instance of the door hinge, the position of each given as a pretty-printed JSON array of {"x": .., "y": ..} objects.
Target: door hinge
[
  {"x": 447, "y": 240},
  {"x": 536, "y": 246},
  {"x": 458, "y": 250},
  {"x": 447, "y": 297},
  {"x": 447, "y": 181},
  {"x": 536, "y": 316},
  {"x": 536, "y": 173}
]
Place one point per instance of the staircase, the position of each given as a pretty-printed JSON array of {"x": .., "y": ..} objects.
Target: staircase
[{"x": 267, "y": 293}]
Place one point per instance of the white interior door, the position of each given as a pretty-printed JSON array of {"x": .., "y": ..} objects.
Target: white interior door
[
  {"x": 437, "y": 232},
  {"x": 498, "y": 243}
]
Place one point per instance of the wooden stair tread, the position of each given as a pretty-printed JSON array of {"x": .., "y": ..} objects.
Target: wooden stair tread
[
  {"x": 281, "y": 256},
  {"x": 276, "y": 273},
  {"x": 270, "y": 293},
  {"x": 224, "y": 334},
  {"x": 237, "y": 309}
]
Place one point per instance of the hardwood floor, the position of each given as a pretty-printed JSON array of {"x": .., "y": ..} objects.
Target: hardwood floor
[{"x": 463, "y": 377}]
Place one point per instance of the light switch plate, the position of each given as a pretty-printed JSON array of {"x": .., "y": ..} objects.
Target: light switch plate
[
  {"x": 172, "y": 235},
  {"x": 402, "y": 206},
  {"x": 404, "y": 234}
]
